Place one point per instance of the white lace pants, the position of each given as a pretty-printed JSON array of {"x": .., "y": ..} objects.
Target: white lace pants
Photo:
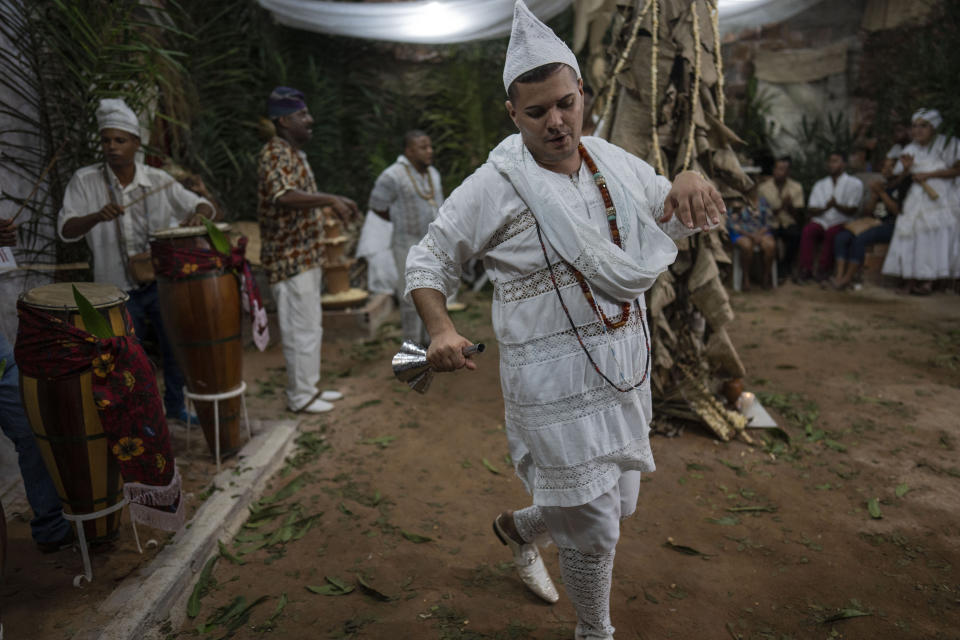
[
  {"x": 300, "y": 317},
  {"x": 587, "y": 537}
]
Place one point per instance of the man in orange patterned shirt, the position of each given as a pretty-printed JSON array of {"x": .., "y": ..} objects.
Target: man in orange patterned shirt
[{"x": 291, "y": 230}]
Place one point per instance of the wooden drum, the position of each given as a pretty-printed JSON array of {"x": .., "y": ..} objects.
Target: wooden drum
[
  {"x": 201, "y": 316},
  {"x": 64, "y": 417}
]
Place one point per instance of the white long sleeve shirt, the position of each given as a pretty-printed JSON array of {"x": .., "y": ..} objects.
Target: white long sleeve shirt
[
  {"x": 167, "y": 204},
  {"x": 847, "y": 191}
]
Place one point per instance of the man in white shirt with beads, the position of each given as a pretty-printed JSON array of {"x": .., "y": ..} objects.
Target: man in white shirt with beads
[
  {"x": 572, "y": 232},
  {"x": 408, "y": 193},
  {"x": 115, "y": 205}
]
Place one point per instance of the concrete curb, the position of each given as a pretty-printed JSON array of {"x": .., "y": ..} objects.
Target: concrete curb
[{"x": 148, "y": 596}]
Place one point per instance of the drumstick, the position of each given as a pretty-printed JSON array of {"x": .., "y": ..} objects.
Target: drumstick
[
  {"x": 39, "y": 181},
  {"x": 150, "y": 193}
]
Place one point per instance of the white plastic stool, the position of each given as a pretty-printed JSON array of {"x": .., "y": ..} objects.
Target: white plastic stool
[
  {"x": 78, "y": 519},
  {"x": 738, "y": 270},
  {"x": 215, "y": 398}
]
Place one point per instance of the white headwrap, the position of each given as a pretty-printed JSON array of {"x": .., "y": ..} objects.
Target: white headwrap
[
  {"x": 113, "y": 113},
  {"x": 533, "y": 44},
  {"x": 930, "y": 115}
]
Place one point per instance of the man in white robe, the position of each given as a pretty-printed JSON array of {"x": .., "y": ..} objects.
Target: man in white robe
[
  {"x": 116, "y": 205},
  {"x": 408, "y": 194},
  {"x": 834, "y": 201},
  {"x": 574, "y": 369}
]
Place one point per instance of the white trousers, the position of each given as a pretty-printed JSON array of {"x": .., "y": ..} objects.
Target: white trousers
[
  {"x": 587, "y": 538},
  {"x": 300, "y": 316}
]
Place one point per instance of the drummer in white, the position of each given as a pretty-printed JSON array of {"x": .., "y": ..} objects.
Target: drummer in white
[{"x": 115, "y": 205}]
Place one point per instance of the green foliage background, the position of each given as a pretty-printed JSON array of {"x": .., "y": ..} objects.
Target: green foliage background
[
  {"x": 913, "y": 67},
  {"x": 207, "y": 68}
]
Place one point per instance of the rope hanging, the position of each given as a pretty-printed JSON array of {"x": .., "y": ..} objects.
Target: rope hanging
[
  {"x": 612, "y": 82},
  {"x": 695, "y": 93}
]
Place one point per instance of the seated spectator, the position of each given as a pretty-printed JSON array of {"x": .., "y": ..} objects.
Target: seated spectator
[
  {"x": 749, "y": 228},
  {"x": 926, "y": 240},
  {"x": 784, "y": 195},
  {"x": 876, "y": 226},
  {"x": 833, "y": 202}
]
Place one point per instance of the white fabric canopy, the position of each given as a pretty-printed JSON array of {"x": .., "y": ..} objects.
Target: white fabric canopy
[
  {"x": 736, "y": 15},
  {"x": 425, "y": 22},
  {"x": 455, "y": 21}
]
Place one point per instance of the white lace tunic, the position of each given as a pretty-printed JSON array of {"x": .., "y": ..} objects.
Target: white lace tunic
[{"x": 570, "y": 434}]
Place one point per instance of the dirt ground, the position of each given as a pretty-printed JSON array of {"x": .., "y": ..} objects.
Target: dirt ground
[{"x": 385, "y": 509}]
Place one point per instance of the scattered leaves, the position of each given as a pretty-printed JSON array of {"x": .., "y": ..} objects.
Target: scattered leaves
[
  {"x": 334, "y": 587},
  {"x": 415, "y": 537},
  {"x": 204, "y": 583},
  {"x": 873, "y": 507},
  {"x": 492, "y": 469},
  {"x": 225, "y": 553}
]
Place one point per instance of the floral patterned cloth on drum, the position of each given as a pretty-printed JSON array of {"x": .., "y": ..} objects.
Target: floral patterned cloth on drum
[
  {"x": 178, "y": 263},
  {"x": 128, "y": 402}
]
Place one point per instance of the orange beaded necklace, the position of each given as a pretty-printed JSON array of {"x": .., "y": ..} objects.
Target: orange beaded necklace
[{"x": 611, "y": 212}]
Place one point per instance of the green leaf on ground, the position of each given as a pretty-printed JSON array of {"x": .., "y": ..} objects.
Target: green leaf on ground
[
  {"x": 204, "y": 582},
  {"x": 344, "y": 510},
  {"x": 223, "y": 615},
  {"x": 270, "y": 623},
  {"x": 901, "y": 490},
  {"x": 833, "y": 444},
  {"x": 415, "y": 537},
  {"x": 873, "y": 507},
  {"x": 690, "y": 551},
  {"x": 225, "y": 553},
  {"x": 492, "y": 469},
  {"x": 260, "y": 514},
  {"x": 334, "y": 587},
  {"x": 726, "y": 521},
  {"x": 288, "y": 490},
  {"x": 767, "y": 508},
  {"x": 383, "y": 441},
  {"x": 845, "y": 614},
  {"x": 94, "y": 323},
  {"x": 736, "y": 468},
  {"x": 250, "y": 537},
  {"x": 370, "y": 591}
]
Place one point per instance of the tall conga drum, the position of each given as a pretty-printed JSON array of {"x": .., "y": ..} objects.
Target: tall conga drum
[
  {"x": 64, "y": 418},
  {"x": 201, "y": 316}
]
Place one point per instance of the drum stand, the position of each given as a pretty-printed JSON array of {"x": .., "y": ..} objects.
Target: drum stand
[
  {"x": 78, "y": 519},
  {"x": 215, "y": 398}
]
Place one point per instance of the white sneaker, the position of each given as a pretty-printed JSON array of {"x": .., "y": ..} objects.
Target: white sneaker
[
  {"x": 318, "y": 406},
  {"x": 331, "y": 396},
  {"x": 529, "y": 564}
]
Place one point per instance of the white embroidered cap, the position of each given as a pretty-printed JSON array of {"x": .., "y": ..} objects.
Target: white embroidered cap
[
  {"x": 930, "y": 115},
  {"x": 113, "y": 113},
  {"x": 533, "y": 44}
]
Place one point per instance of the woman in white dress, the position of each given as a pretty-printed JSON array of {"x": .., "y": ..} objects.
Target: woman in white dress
[{"x": 926, "y": 241}]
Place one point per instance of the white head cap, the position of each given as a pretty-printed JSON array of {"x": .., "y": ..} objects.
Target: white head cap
[
  {"x": 533, "y": 44},
  {"x": 930, "y": 115},
  {"x": 113, "y": 113}
]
